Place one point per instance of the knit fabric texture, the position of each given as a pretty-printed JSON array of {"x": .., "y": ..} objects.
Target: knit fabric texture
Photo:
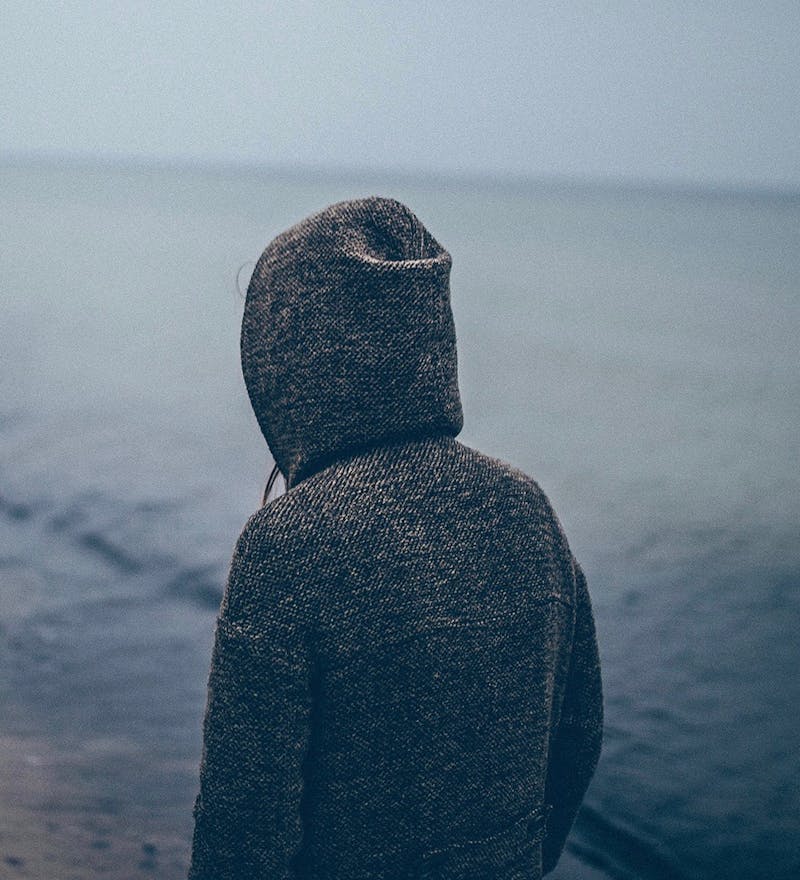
[{"x": 405, "y": 680}]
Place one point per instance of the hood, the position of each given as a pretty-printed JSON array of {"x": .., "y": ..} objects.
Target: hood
[{"x": 348, "y": 338}]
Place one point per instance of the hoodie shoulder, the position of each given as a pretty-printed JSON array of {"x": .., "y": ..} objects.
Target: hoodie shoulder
[
  {"x": 514, "y": 480},
  {"x": 264, "y": 587},
  {"x": 531, "y": 499}
]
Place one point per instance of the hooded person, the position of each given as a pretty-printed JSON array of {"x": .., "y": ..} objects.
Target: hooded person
[{"x": 405, "y": 679}]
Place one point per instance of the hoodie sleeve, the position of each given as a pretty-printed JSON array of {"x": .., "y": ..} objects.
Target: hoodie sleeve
[
  {"x": 247, "y": 820},
  {"x": 575, "y": 748}
]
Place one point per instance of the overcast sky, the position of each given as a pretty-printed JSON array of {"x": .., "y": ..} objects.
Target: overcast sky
[{"x": 703, "y": 91}]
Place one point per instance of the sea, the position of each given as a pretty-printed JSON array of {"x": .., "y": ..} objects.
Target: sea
[{"x": 635, "y": 349}]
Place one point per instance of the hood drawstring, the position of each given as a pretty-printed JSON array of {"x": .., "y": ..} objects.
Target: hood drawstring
[{"x": 272, "y": 477}]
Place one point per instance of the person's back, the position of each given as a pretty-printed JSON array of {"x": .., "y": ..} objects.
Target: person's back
[{"x": 405, "y": 679}]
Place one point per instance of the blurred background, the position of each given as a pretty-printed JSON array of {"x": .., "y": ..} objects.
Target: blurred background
[{"x": 619, "y": 187}]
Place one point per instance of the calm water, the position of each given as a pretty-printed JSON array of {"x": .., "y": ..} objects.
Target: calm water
[{"x": 635, "y": 351}]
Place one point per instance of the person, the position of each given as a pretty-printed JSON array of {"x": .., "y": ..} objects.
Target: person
[{"x": 405, "y": 678}]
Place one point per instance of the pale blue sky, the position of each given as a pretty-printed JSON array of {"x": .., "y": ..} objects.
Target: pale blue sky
[{"x": 702, "y": 92}]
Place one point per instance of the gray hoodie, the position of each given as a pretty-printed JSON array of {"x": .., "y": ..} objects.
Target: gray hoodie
[{"x": 405, "y": 679}]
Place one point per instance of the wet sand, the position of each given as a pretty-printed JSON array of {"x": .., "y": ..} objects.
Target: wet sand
[{"x": 46, "y": 833}]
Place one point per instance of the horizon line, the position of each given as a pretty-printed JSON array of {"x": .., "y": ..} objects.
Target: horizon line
[{"x": 495, "y": 179}]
